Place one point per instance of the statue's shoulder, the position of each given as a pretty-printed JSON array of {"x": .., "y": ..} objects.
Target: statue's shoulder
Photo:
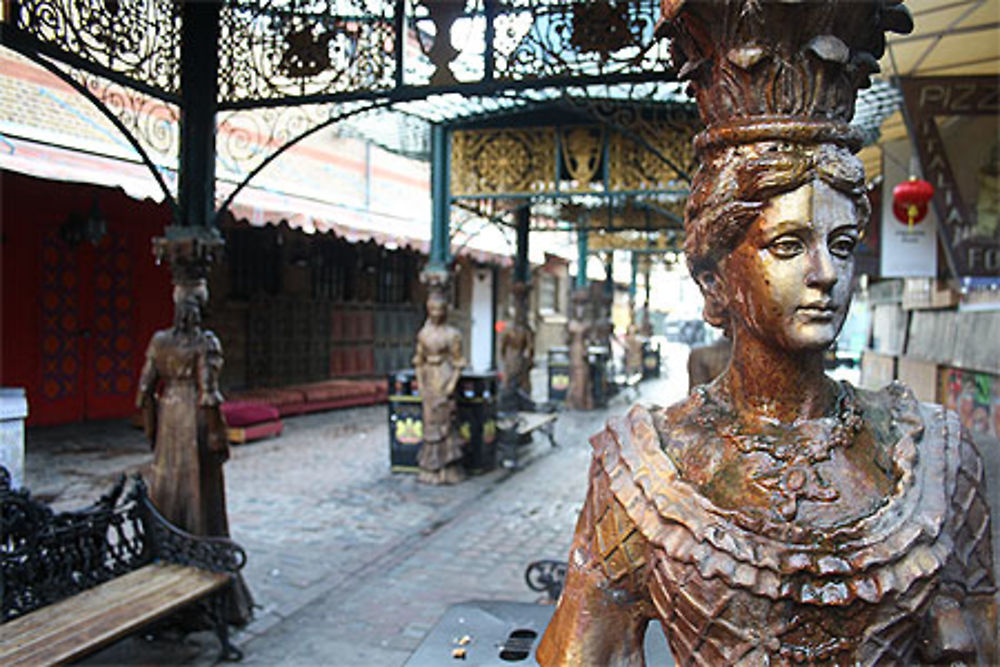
[{"x": 160, "y": 338}]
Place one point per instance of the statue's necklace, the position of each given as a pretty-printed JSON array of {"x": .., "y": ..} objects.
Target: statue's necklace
[{"x": 785, "y": 457}]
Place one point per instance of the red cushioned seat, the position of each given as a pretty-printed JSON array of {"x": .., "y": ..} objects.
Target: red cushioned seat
[{"x": 247, "y": 413}]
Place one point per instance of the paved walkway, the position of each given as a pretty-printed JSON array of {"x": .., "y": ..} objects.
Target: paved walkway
[{"x": 350, "y": 564}]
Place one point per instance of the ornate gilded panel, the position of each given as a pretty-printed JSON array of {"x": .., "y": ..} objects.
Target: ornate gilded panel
[
  {"x": 504, "y": 161},
  {"x": 635, "y": 165},
  {"x": 582, "y": 152}
]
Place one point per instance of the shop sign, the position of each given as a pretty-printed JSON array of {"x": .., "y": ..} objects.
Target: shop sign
[{"x": 970, "y": 235}]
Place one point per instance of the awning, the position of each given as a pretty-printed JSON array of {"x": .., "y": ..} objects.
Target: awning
[{"x": 257, "y": 206}]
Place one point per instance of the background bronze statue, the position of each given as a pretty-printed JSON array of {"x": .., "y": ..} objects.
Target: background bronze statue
[
  {"x": 438, "y": 362},
  {"x": 180, "y": 399},
  {"x": 776, "y": 516},
  {"x": 633, "y": 349},
  {"x": 517, "y": 353}
]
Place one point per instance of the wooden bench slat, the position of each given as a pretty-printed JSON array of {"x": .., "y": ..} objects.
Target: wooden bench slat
[
  {"x": 148, "y": 578},
  {"x": 529, "y": 421},
  {"x": 67, "y": 629}
]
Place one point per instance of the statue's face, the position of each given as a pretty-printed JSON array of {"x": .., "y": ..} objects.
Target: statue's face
[
  {"x": 790, "y": 279},
  {"x": 188, "y": 304},
  {"x": 436, "y": 311}
]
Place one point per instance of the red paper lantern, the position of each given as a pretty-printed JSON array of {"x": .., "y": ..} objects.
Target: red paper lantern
[{"x": 910, "y": 199}]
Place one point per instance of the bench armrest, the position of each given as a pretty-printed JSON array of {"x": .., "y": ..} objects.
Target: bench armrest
[{"x": 169, "y": 543}]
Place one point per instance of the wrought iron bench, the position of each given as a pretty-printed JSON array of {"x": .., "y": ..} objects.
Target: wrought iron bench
[
  {"x": 76, "y": 581},
  {"x": 546, "y": 576},
  {"x": 517, "y": 428}
]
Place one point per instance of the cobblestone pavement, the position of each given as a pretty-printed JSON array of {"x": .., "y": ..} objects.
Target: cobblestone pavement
[{"x": 350, "y": 564}]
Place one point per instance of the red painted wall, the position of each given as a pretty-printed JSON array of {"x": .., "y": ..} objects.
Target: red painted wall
[{"x": 75, "y": 320}]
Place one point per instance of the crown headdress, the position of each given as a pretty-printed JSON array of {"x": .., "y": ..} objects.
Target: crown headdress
[{"x": 779, "y": 69}]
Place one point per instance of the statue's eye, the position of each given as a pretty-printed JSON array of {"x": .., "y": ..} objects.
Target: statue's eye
[
  {"x": 843, "y": 246},
  {"x": 786, "y": 247}
]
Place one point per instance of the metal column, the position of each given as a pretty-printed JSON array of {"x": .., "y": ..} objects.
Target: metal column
[
  {"x": 199, "y": 99},
  {"x": 440, "y": 254}
]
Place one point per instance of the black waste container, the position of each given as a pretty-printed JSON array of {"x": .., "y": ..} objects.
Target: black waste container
[
  {"x": 406, "y": 423},
  {"x": 475, "y": 420},
  {"x": 598, "y": 358},
  {"x": 558, "y": 370},
  {"x": 650, "y": 360}
]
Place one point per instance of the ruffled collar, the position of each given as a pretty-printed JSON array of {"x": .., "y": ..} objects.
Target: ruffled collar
[{"x": 883, "y": 551}]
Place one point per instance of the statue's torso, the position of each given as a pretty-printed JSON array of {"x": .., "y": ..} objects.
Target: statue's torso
[{"x": 733, "y": 584}]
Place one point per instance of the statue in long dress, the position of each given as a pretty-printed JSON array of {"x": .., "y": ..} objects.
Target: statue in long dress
[
  {"x": 438, "y": 362},
  {"x": 517, "y": 354},
  {"x": 776, "y": 516},
  {"x": 579, "y": 395},
  {"x": 181, "y": 403},
  {"x": 633, "y": 349}
]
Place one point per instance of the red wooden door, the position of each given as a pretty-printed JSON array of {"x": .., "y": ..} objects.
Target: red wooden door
[{"x": 87, "y": 330}]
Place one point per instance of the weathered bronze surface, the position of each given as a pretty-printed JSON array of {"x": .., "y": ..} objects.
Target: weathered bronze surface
[
  {"x": 579, "y": 395},
  {"x": 707, "y": 362},
  {"x": 775, "y": 516},
  {"x": 438, "y": 362},
  {"x": 181, "y": 404},
  {"x": 517, "y": 352}
]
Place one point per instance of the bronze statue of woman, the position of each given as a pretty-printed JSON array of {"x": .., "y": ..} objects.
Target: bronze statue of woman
[
  {"x": 180, "y": 399},
  {"x": 776, "y": 516},
  {"x": 438, "y": 362},
  {"x": 579, "y": 395}
]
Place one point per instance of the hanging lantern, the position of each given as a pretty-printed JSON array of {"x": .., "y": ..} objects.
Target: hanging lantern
[{"x": 910, "y": 199}]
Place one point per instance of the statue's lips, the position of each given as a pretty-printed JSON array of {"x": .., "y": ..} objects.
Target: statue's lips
[{"x": 818, "y": 311}]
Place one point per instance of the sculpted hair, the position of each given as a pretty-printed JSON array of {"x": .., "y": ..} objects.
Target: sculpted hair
[{"x": 733, "y": 185}]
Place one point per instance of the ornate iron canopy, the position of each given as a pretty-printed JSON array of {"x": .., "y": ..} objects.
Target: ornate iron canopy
[{"x": 381, "y": 69}]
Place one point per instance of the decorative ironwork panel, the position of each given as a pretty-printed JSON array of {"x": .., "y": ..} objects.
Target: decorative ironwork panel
[
  {"x": 150, "y": 125},
  {"x": 248, "y": 139},
  {"x": 567, "y": 38},
  {"x": 137, "y": 39},
  {"x": 634, "y": 166},
  {"x": 271, "y": 49},
  {"x": 503, "y": 161}
]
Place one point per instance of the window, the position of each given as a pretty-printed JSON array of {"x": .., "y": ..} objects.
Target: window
[{"x": 548, "y": 294}]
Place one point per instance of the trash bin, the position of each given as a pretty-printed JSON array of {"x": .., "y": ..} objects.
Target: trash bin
[
  {"x": 598, "y": 358},
  {"x": 650, "y": 360},
  {"x": 475, "y": 420},
  {"x": 558, "y": 370},
  {"x": 406, "y": 421}
]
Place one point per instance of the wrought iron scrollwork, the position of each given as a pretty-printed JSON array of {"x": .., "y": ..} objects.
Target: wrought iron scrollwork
[
  {"x": 272, "y": 49},
  {"x": 135, "y": 41},
  {"x": 546, "y": 576},
  {"x": 567, "y": 39},
  {"x": 47, "y": 556},
  {"x": 170, "y": 543}
]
